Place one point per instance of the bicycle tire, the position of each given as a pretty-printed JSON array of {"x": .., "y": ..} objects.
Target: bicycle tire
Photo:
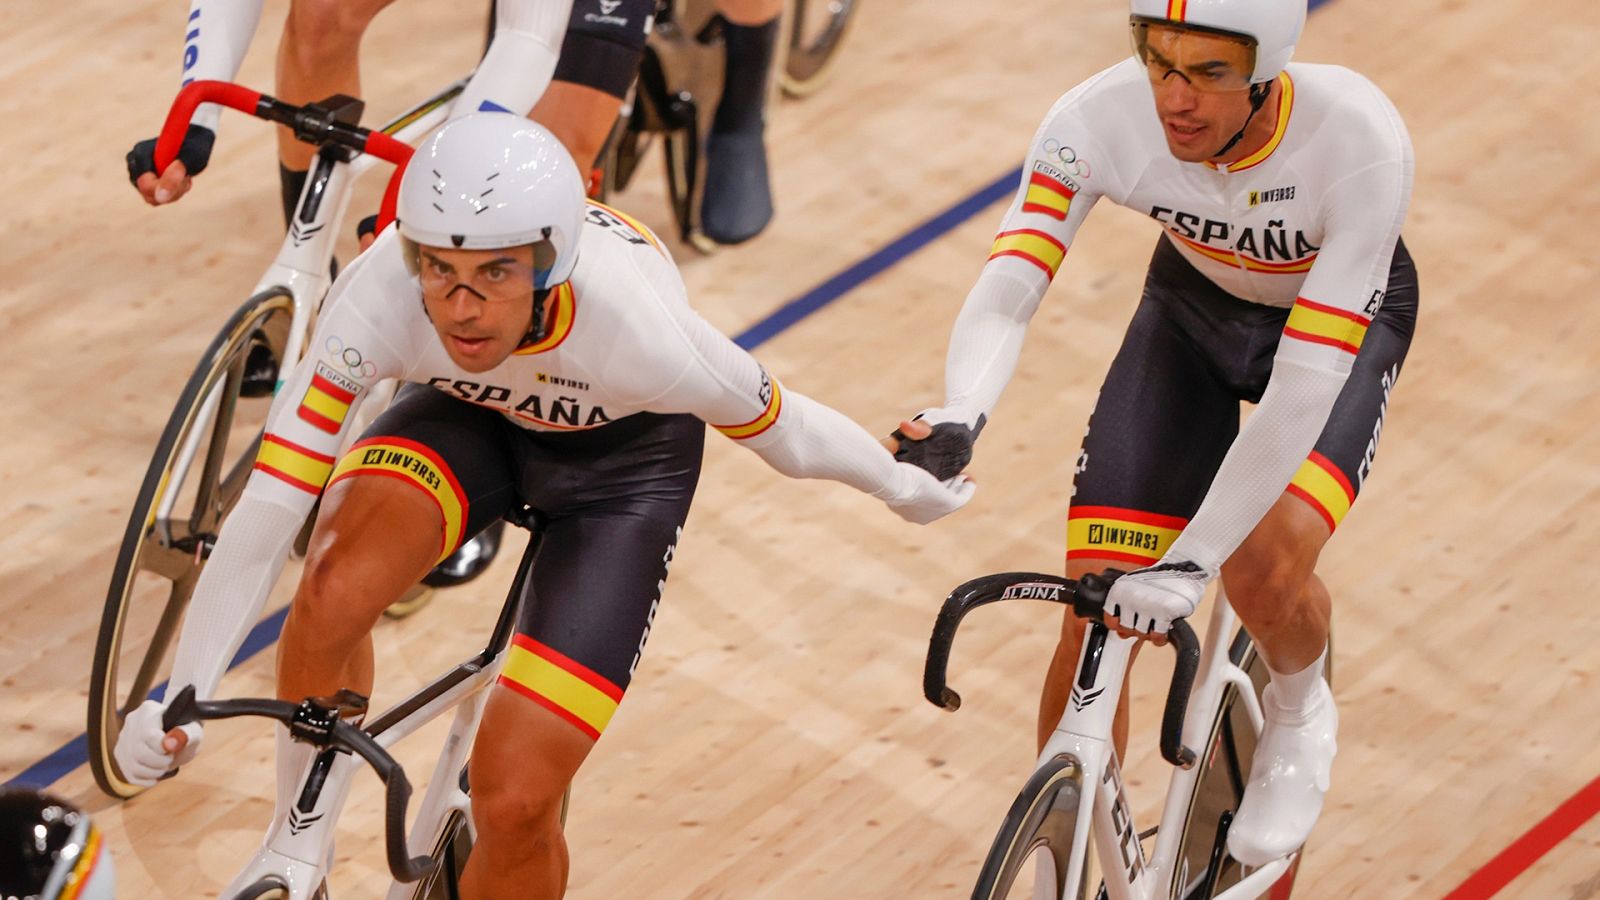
[
  {"x": 264, "y": 888},
  {"x": 1225, "y": 768},
  {"x": 175, "y": 549},
  {"x": 809, "y": 59},
  {"x": 1043, "y": 817}
]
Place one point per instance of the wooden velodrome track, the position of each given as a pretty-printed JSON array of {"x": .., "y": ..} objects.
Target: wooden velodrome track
[{"x": 775, "y": 743}]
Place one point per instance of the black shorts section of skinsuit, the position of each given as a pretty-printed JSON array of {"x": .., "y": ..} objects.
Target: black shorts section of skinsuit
[
  {"x": 604, "y": 42},
  {"x": 614, "y": 500},
  {"x": 1169, "y": 407}
]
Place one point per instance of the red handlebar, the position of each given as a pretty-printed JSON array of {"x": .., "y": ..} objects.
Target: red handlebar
[
  {"x": 262, "y": 106},
  {"x": 193, "y": 94}
]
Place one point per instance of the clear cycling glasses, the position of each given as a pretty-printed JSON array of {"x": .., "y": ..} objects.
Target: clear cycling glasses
[
  {"x": 500, "y": 278},
  {"x": 1209, "y": 59}
]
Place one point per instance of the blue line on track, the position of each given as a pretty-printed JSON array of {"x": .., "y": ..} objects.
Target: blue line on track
[{"x": 75, "y": 752}]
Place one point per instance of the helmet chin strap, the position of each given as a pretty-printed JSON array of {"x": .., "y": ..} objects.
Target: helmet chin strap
[
  {"x": 1258, "y": 98},
  {"x": 536, "y": 330}
]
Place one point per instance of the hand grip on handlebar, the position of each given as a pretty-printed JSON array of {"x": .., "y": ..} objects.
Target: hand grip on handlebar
[
  {"x": 188, "y": 100},
  {"x": 1087, "y": 597},
  {"x": 183, "y": 709}
]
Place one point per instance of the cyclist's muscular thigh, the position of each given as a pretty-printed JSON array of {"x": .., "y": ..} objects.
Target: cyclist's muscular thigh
[{"x": 374, "y": 538}]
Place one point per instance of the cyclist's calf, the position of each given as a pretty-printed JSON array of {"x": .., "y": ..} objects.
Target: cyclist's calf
[{"x": 1272, "y": 585}]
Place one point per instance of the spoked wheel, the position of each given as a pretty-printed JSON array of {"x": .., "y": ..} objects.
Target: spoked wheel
[
  {"x": 195, "y": 477},
  {"x": 814, "y": 31},
  {"x": 1039, "y": 826},
  {"x": 1225, "y": 770}
]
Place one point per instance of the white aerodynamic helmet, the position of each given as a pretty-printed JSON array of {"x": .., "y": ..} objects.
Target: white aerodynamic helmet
[
  {"x": 491, "y": 180},
  {"x": 1273, "y": 25}
]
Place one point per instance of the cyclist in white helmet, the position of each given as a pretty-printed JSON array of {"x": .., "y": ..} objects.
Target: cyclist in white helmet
[
  {"x": 1279, "y": 279},
  {"x": 50, "y": 850},
  {"x": 554, "y": 361}
]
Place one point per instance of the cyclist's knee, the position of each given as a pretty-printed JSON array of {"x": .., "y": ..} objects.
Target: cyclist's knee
[
  {"x": 1276, "y": 560},
  {"x": 329, "y": 599},
  {"x": 525, "y": 814},
  {"x": 318, "y": 32}
]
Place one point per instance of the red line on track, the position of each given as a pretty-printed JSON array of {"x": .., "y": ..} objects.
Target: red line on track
[{"x": 1526, "y": 850}]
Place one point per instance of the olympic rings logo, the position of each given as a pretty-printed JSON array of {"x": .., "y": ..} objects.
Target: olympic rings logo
[
  {"x": 354, "y": 363},
  {"x": 1075, "y": 165}
]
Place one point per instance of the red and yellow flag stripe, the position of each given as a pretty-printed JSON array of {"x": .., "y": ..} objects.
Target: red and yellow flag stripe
[
  {"x": 293, "y": 464},
  {"x": 325, "y": 403},
  {"x": 1032, "y": 245},
  {"x": 1319, "y": 324},
  {"x": 414, "y": 464},
  {"x": 1321, "y": 484},
  {"x": 84, "y": 868},
  {"x": 1177, "y": 9},
  {"x": 1125, "y": 535},
  {"x": 1240, "y": 261},
  {"x": 1047, "y": 196},
  {"x": 566, "y": 309},
  {"x": 761, "y": 423},
  {"x": 1285, "y": 107},
  {"x": 562, "y": 685}
]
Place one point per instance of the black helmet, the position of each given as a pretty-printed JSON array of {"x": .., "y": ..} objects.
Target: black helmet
[{"x": 49, "y": 850}]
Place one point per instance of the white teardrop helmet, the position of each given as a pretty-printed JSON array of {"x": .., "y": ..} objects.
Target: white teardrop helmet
[
  {"x": 493, "y": 180},
  {"x": 49, "y": 850},
  {"x": 1272, "y": 25}
]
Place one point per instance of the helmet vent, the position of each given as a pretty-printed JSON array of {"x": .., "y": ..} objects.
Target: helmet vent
[{"x": 458, "y": 239}]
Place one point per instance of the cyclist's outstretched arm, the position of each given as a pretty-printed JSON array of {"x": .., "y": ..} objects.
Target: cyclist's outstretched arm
[
  {"x": 723, "y": 385},
  {"x": 1056, "y": 192},
  {"x": 521, "y": 58}
]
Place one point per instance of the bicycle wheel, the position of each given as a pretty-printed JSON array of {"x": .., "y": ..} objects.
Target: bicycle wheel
[
  {"x": 196, "y": 475},
  {"x": 1039, "y": 825},
  {"x": 453, "y": 847},
  {"x": 269, "y": 888},
  {"x": 814, "y": 29},
  {"x": 1225, "y": 770}
]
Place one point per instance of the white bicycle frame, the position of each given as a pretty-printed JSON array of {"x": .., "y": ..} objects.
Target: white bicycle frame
[
  {"x": 298, "y": 849},
  {"x": 1084, "y": 735},
  {"x": 301, "y": 266}
]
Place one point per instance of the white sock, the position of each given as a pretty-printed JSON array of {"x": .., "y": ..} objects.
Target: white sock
[
  {"x": 292, "y": 759},
  {"x": 1297, "y": 691}
]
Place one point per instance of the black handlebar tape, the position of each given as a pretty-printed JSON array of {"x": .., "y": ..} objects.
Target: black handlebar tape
[
  {"x": 969, "y": 596},
  {"x": 1187, "y": 648}
]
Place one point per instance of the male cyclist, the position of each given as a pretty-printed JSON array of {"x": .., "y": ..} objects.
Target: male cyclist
[
  {"x": 1279, "y": 279},
  {"x": 554, "y": 361}
]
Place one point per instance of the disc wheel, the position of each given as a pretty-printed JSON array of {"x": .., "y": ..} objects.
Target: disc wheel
[
  {"x": 814, "y": 29},
  {"x": 1225, "y": 770},
  {"x": 194, "y": 478},
  {"x": 1039, "y": 825}
]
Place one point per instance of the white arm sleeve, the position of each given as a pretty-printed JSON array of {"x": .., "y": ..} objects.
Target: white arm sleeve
[
  {"x": 811, "y": 440},
  {"x": 987, "y": 339},
  {"x": 521, "y": 58},
  {"x": 215, "y": 37},
  {"x": 1265, "y": 455},
  {"x": 233, "y": 587}
]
